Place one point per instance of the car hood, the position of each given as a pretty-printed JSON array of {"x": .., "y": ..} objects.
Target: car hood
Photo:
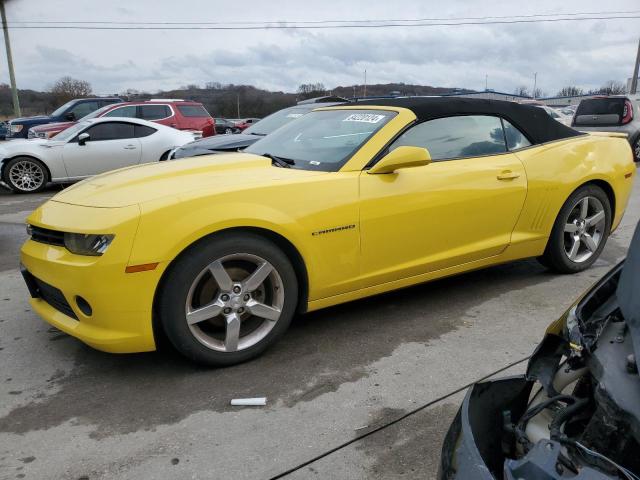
[
  {"x": 37, "y": 118},
  {"x": 53, "y": 126},
  {"x": 217, "y": 143},
  {"x": 24, "y": 146},
  {"x": 207, "y": 175}
]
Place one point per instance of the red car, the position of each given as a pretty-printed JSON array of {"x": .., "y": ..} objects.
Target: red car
[
  {"x": 180, "y": 114},
  {"x": 246, "y": 122}
]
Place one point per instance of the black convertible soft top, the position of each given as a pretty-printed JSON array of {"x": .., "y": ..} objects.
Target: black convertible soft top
[{"x": 534, "y": 122}]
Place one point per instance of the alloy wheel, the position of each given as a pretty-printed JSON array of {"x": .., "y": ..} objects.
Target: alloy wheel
[
  {"x": 234, "y": 302},
  {"x": 228, "y": 131},
  {"x": 584, "y": 229},
  {"x": 26, "y": 175}
]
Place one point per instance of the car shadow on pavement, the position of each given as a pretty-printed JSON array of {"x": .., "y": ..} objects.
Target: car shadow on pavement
[{"x": 125, "y": 393}]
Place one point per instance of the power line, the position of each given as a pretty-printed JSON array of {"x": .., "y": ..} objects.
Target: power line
[
  {"x": 317, "y": 27},
  {"x": 393, "y": 422},
  {"x": 311, "y": 22}
]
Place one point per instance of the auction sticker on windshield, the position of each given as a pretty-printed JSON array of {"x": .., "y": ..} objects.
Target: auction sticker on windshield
[{"x": 364, "y": 117}]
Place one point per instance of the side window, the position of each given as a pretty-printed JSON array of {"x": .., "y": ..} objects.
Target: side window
[
  {"x": 144, "y": 131},
  {"x": 84, "y": 108},
  {"x": 515, "y": 138},
  {"x": 111, "y": 131},
  {"x": 154, "y": 112},
  {"x": 129, "y": 112},
  {"x": 456, "y": 137}
]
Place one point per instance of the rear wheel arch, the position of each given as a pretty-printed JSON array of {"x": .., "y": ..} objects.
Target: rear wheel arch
[
  {"x": 607, "y": 188},
  {"x": 292, "y": 253}
]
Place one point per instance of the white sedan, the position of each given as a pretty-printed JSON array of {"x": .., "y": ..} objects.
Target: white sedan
[{"x": 85, "y": 149}]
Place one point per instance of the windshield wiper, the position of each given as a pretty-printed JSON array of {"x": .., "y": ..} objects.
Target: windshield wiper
[
  {"x": 280, "y": 161},
  {"x": 256, "y": 133}
]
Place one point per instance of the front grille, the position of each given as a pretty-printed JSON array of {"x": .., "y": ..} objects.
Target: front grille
[
  {"x": 44, "y": 235},
  {"x": 54, "y": 297}
]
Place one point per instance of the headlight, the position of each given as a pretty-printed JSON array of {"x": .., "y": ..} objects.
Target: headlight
[
  {"x": 85, "y": 244},
  {"x": 16, "y": 128}
]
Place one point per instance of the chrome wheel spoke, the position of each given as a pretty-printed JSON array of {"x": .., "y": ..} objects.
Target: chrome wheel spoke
[
  {"x": 584, "y": 208},
  {"x": 263, "y": 311},
  {"x": 204, "y": 313},
  {"x": 232, "y": 335},
  {"x": 221, "y": 276},
  {"x": 589, "y": 242},
  {"x": 594, "y": 220},
  {"x": 571, "y": 228},
  {"x": 257, "y": 277},
  {"x": 573, "y": 252}
]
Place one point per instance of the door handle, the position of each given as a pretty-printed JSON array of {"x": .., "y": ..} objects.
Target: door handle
[
  {"x": 130, "y": 147},
  {"x": 508, "y": 175}
]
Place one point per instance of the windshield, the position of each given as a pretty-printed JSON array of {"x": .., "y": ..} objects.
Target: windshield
[
  {"x": 71, "y": 132},
  {"x": 323, "y": 140},
  {"x": 60, "y": 110},
  {"x": 276, "y": 120}
]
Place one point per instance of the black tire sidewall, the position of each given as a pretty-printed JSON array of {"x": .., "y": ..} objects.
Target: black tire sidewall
[
  {"x": 174, "y": 288},
  {"x": 555, "y": 256},
  {"x": 6, "y": 178}
]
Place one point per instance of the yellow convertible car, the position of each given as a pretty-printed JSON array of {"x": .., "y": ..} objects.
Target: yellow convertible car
[{"x": 218, "y": 253}]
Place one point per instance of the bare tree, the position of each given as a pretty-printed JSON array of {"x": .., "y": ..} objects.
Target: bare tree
[
  {"x": 612, "y": 87},
  {"x": 522, "y": 91},
  {"x": 67, "y": 88},
  {"x": 570, "y": 91},
  {"x": 539, "y": 93},
  {"x": 310, "y": 90}
]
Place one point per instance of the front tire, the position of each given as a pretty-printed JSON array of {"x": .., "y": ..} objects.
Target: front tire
[
  {"x": 580, "y": 231},
  {"x": 25, "y": 175},
  {"x": 227, "y": 299},
  {"x": 636, "y": 150}
]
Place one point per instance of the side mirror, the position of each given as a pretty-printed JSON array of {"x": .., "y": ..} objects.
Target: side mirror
[
  {"x": 70, "y": 116},
  {"x": 401, "y": 157},
  {"x": 83, "y": 137}
]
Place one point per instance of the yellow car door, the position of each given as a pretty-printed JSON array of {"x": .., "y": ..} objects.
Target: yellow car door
[{"x": 461, "y": 207}]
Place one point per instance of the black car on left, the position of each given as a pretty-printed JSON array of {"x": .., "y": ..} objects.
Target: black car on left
[{"x": 224, "y": 126}]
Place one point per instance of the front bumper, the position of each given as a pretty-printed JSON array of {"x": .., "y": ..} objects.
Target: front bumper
[
  {"x": 472, "y": 449},
  {"x": 121, "y": 303}
]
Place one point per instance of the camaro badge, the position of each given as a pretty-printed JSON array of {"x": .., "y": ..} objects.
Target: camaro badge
[{"x": 335, "y": 229}]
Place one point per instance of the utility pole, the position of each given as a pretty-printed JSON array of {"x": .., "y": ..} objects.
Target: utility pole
[
  {"x": 365, "y": 83},
  {"x": 535, "y": 83},
  {"x": 486, "y": 82},
  {"x": 238, "y": 104},
  {"x": 12, "y": 77},
  {"x": 634, "y": 79}
]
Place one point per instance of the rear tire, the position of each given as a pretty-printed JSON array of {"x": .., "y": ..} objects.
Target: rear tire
[
  {"x": 25, "y": 175},
  {"x": 227, "y": 299},
  {"x": 580, "y": 231},
  {"x": 636, "y": 150}
]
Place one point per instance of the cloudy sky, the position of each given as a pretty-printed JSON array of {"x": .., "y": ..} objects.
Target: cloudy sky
[{"x": 585, "y": 53}]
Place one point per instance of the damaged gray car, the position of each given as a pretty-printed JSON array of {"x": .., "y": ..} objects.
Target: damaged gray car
[{"x": 575, "y": 414}]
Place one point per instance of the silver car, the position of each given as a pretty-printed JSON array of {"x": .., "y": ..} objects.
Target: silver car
[{"x": 611, "y": 114}]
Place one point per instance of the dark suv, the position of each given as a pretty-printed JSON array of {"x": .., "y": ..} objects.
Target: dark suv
[
  {"x": 70, "y": 111},
  {"x": 611, "y": 114}
]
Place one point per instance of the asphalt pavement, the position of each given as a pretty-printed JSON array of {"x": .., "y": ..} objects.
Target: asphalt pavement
[{"x": 67, "y": 411}]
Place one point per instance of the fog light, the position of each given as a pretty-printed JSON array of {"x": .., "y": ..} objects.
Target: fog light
[{"x": 84, "y": 306}]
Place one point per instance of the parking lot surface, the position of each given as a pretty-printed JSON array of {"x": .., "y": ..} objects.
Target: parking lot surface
[{"x": 67, "y": 411}]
